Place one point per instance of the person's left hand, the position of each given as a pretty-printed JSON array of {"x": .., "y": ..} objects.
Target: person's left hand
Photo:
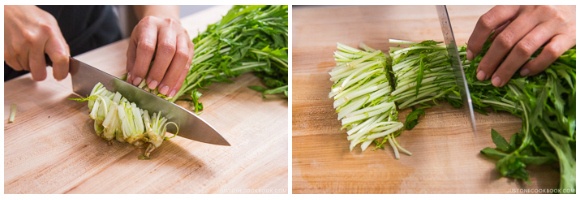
[
  {"x": 519, "y": 32},
  {"x": 160, "y": 50}
]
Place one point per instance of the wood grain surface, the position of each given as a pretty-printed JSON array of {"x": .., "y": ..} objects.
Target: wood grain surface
[
  {"x": 52, "y": 147},
  {"x": 446, "y": 156}
]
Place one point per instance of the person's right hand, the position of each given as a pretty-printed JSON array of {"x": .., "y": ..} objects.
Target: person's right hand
[{"x": 29, "y": 33}]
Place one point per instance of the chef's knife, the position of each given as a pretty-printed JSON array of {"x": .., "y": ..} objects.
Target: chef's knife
[
  {"x": 85, "y": 77},
  {"x": 456, "y": 63}
]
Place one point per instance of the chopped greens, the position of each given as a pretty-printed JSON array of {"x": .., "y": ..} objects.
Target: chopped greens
[
  {"x": 360, "y": 92},
  {"x": 116, "y": 118},
  {"x": 420, "y": 75}
]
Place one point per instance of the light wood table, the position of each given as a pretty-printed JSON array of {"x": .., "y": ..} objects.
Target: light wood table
[
  {"x": 446, "y": 156},
  {"x": 52, "y": 147}
]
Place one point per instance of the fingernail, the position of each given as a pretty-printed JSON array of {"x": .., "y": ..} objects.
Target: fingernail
[
  {"x": 481, "y": 75},
  {"x": 496, "y": 81},
  {"x": 469, "y": 55},
  {"x": 128, "y": 76},
  {"x": 164, "y": 90},
  {"x": 524, "y": 72},
  {"x": 137, "y": 81},
  {"x": 152, "y": 84},
  {"x": 172, "y": 93}
]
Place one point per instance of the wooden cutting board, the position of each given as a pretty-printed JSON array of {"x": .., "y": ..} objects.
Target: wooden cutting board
[
  {"x": 52, "y": 147},
  {"x": 446, "y": 156}
]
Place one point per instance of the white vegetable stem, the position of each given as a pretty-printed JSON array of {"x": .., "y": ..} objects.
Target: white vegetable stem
[
  {"x": 117, "y": 118},
  {"x": 12, "y": 113},
  {"x": 360, "y": 92}
]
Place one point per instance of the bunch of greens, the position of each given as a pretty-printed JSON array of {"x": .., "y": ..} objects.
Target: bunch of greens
[
  {"x": 247, "y": 39},
  {"x": 117, "y": 118},
  {"x": 545, "y": 102},
  {"x": 420, "y": 75},
  {"x": 547, "y": 105},
  {"x": 360, "y": 92}
]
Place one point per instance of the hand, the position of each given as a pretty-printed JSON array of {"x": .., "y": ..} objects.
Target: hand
[
  {"x": 169, "y": 42},
  {"x": 29, "y": 33},
  {"x": 519, "y": 32}
]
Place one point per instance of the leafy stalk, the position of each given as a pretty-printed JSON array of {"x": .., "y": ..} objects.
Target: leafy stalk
[
  {"x": 247, "y": 39},
  {"x": 545, "y": 102},
  {"x": 420, "y": 75}
]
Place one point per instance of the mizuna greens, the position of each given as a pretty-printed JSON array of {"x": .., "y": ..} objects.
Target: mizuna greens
[
  {"x": 247, "y": 39},
  {"x": 116, "y": 118},
  {"x": 422, "y": 76},
  {"x": 360, "y": 92}
]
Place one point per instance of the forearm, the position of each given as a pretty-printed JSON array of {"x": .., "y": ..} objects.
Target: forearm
[{"x": 163, "y": 11}]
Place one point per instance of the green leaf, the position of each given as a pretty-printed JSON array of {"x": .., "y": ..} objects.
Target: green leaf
[
  {"x": 413, "y": 118},
  {"x": 493, "y": 153},
  {"x": 512, "y": 166},
  {"x": 500, "y": 142},
  {"x": 536, "y": 160}
]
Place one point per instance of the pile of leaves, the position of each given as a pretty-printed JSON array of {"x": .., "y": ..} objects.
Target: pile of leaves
[
  {"x": 249, "y": 38},
  {"x": 420, "y": 76},
  {"x": 545, "y": 102}
]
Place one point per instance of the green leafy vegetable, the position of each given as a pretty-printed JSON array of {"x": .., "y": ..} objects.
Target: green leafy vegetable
[
  {"x": 117, "y": 118},
  {"x": 250, "y": 38},
  {"x": 500, "y": 142},
  {"x": 413, "y": 118},
  {"x": 420, "y": 74},
  {"x": 545, "y": 102},
  {"x": 360, "y": 92}
]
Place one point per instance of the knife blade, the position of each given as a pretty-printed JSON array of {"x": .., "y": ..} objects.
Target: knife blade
[
  {"x": 460, "y": 79},
  {"x": 85, "y": 77}
]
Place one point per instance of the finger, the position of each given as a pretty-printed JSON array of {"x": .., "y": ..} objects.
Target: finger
[
  {"x": 187, "y": 67},
  {"x": 131, "y": 55},
  {"x": 488, "y": 22},
  {"x": 519, "y": 41},
  {"x": 146, "y": 38},
  {"x": 22, "y": 53},
  {"x": 11, "y": 60},
  {"x": 499, "y": 29},
  {"x": 177, "y": 68},
  {"x": 178, "y": 85},
  {"x": 58, "y": 52},
  {"x": 166, "y": 47},
  {"x": 520, "y": 54},
  {"x": 554, "y": 49},
  {"x": 501, "y": 47},
  {"x": 37, "y": 61}
]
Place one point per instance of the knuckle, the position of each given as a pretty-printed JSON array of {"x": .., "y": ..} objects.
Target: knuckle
[
  {"x": 45, "y": 28},
  {"x": 146, "y": 46},
  {"x": 148, "y": 20},
  {"x": 525, "y": 48},
  {"x": 487, "y": 21},
  {"x": 171, "y": 21},
  {"x": 29, "y": 37},
  {"x": 166, "y": 48},
  {"x": 182, "y": 55},
  {"x": 551, "y": 52},
  {"x": 546, "y": 10},
  {"x": 505, "y": 39}
]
